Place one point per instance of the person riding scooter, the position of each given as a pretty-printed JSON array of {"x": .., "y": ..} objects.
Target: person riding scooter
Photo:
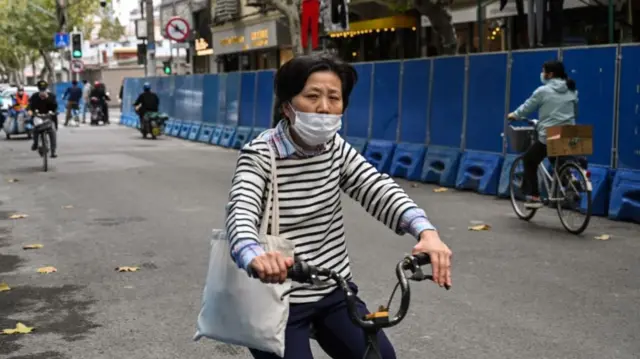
[
  {"x": 101, "y": 94},
  {"x": 146, "y": 102},
  {"x": 44, "y": 102}
]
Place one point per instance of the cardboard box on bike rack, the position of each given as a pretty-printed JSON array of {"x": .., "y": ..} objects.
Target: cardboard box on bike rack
[{"x": 575, "y": 140}]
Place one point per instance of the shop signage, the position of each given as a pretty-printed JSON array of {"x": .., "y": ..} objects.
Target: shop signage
[
  {"x": 203, "y": 48},
  {"x": 254, "y": 37}
]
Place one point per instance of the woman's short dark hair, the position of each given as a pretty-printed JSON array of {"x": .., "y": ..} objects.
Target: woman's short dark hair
[
  {"x": 557, "y": 68},
  {"x": 292, "y": 77}
]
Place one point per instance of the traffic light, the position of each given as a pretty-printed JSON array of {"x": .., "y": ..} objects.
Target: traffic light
[
  {"x": 167, "y": 67},
  {"x": 76, "y": 45},
  {"x": 142, "y": 54}
]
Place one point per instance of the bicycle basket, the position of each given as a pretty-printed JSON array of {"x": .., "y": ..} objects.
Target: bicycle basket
[{"x": 520, "y": 137}]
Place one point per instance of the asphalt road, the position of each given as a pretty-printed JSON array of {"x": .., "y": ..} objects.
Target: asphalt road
[{"x": 521, "y": 290}]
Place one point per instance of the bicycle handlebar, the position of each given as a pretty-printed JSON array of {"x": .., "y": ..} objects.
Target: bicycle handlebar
[{"x": 303, "y": 272}]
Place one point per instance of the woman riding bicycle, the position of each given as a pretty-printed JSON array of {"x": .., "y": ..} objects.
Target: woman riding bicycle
[
  {"x": 557, "y": 104},
  {"x": 313, "y": 163}
]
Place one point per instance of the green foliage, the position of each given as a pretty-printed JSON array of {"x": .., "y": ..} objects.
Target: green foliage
[
  {"x": 399, "y": 6},
  {"x": 111, "y": 30}
]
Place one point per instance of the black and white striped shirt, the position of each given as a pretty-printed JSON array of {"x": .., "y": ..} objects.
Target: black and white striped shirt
[{"x": 309, "y": 195}]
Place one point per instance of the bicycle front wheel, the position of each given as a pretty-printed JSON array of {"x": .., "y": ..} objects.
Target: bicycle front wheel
[
  {"x": 44, "y": 137},
  {"x": 516, "y": 175},
  {"x": 573, "y": 192}
]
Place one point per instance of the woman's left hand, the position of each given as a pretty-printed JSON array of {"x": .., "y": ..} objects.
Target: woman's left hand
[{"x": 431, "y": 244}]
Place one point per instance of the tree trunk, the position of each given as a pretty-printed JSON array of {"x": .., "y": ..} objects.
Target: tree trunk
[
  {"x": 292, "y": 13},
  {"x": 439, "y": 15},
  {"x": 48, "y": 63}
]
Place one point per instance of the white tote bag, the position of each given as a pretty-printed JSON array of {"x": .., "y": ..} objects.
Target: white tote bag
[{"x": 237, "y": 309}]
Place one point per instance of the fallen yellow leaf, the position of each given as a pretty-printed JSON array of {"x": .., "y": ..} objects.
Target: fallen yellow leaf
[
  {"x": 19, "y": 329},
  {"x": 127, "y": 269},
  {"x": 67, "y": 207},
  {"x": 18, "y": 216},
  {"x": 480, "y": 227},
  {"x": 440, "y": 189},
  {"x": 414, "y": 185},
  {"x": 32, "y": 246},
  {"x": 4, "y": 287},
  {"x": 604, "y": 237},
  {"x": 47, "y": 270},
  {"x": 13, "y": 180}
]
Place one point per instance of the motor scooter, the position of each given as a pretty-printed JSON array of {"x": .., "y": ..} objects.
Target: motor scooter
[
  {"x": 153, "y": 123},
  {"x": 17, "y": 122}
]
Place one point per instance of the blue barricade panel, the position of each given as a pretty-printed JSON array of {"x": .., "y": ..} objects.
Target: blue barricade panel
[
  {"x": 194, "y": 131},
  {"x": 415, "y": 101},
  {"x": 503, "y": 184},
  {"x": 222, "y": 98},
  {"x": 197, "y": 98},
  {"x": 441, "y": 166},
  {"x": 256, "y": 132},
  {"x": 217, "y": 134},
  {"x": 379, "y": 153},
  {"x": 601, "y": 178},
  {"x": 358, "y": 113},
  {"x": 205, "y": 133},
  {"x": 177, "y": 126},
  {"x": 181, "y": 98},
  {"x": 232, "y": 99},
  {"x": 359, "y": 144},
  {"x": 167, "y": 127},
  {"x": 185, "y": 129},
  {"x": 485, "y": 102},
  {"x": 628, "y": 115},
  {"x": 407, "y": 161},
  {"x": 625, "y": 196},
  {"x": 447, "y": 97},
  {"x": 211, "y": 94},
  {"x": 386, "y": 90},
  {"x": 226, "y": 140},
  {"x": 480, "y": 172},
  {"x": 525, "y": 78},
  {"x": 264, "y": 99},
  {"x": 243, "y": 135},
  {"x": 247, "y": 98},
  {"x": 595, "y": 80}
]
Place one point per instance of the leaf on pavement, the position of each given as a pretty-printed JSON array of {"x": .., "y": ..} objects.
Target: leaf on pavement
[
  {"x": 604, "y": 237},
  {"x": 47, "y": 270},
  {"x": 414, "y": 185},
  {"x": 32, "y": 246},
  {"x": 440, "y": 189},
  {"x": 4, "y": 287},
  {"x": 480, "y": 227},
  {"x": 19, "y": 329},
  {"x": 127, "y": 269},
  {"x": 18, "y": 216},
  {"x": 67, "y": 206},
  {"x": 13, "y": 180}
]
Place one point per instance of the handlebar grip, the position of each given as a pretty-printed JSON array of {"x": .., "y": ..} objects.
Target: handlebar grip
[
  {"x": 299, "y": 272},
  {"x": 422, "y": 258}
]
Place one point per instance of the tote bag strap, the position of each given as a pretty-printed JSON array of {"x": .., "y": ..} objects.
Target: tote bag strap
[{"x": 272, "y": 206}]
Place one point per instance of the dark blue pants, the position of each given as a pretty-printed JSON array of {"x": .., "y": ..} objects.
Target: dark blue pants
[{"x": 335, "y": 332}]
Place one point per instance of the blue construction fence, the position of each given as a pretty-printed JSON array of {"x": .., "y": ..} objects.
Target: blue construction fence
[{"x": 436, "y": 120}]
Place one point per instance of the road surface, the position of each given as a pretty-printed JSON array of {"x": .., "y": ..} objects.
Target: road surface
[{"x": 521, "y": 290}]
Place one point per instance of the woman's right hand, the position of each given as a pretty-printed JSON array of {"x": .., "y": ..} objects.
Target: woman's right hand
[{"x": 271, "y": 267}]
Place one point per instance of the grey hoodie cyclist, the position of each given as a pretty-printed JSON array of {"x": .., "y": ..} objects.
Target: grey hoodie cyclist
[{"x": 557, "y": 104}]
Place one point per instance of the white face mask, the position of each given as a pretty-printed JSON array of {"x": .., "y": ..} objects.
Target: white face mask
[{"x": 316, "y": 128}]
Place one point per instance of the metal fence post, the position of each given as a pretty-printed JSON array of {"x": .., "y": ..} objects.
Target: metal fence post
[
  {"x": 371, "y": 89},
  {"x": 616, "y": 107},
  {"x": 465, "y": 100},
  {"x": 429, "y": 102},
  {"x": 255, "y": 99},
  {"x": 400, "y": 83},
  {"x": 507, "y": 101}
]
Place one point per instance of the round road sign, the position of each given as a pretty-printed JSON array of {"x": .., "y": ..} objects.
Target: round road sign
[
  {"x": 178, "y": 29},
  {"x": 77, "y": 66}
]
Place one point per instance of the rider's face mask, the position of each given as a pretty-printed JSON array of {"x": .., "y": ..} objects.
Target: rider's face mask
[{"x": 316, "y": 128}]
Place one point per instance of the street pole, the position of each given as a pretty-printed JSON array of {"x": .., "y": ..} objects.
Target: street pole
[
  {"x": 611, "y": 22},
  {"x": 151, "y": 40}
]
